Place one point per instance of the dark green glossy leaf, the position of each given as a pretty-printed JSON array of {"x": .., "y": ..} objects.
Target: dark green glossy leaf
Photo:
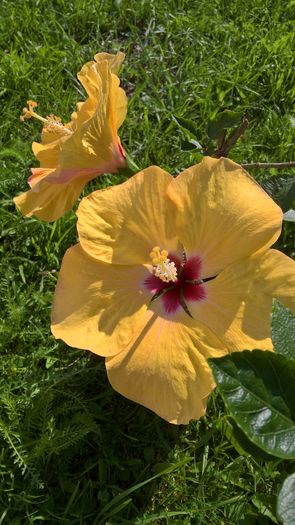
[
  {"x": 289, "y": 198},
  {"x": 196, "y": 144},
  {"x": 286, "y": 501},
  {"x": 224, "y": 120},
  {"x": 258, "y": 390},
  {"x": 187, "y": 124},
  {"x": 255, "y": 519},
  {"x": 239, "y": 440},
  {"x": 188, "y": 145},
  {"x": 282, "y": 190},
  {"x": 283, "y": 330}
]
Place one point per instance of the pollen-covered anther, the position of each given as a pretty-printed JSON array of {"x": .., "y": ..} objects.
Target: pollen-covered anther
[
  {"x": 54, "y": 123},
  {"x": 164, "y": 268},
  {"x": 29, "y": 111}
]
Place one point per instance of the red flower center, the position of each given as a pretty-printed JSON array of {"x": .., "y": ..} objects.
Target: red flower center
[{"x": 187, "y": 288}]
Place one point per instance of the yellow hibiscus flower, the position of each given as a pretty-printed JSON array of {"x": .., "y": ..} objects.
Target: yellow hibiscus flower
[
  {"x": 72, "y": 154},
  {"x": 169, "y": 272}
]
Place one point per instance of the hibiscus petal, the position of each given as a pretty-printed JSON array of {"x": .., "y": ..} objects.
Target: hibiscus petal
[
  {"x": 115, "y": 61},
  {"x": 277, "y": 277},
  {"x": 47, "y": 154},
  {"x": 84, "y": 148},
  {"x": 49, "y": 201},
  {"x": 90, "y": 79},
  {"x": 223, "y": 214},
  {"x": 38, "y": 174},
  {"x": 171, "y": 300},
  {"x": 97, "y": 306},
  {"x": 237, "y": 307},
  {"x": 119, "y": 103},
  {"x": 123, "y": 223},
  {"x": 95, "y": 142},
  {"x": 165, "y": 369}
]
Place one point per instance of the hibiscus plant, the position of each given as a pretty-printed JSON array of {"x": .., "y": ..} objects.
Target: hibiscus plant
[{"x": 173, "y": 278}]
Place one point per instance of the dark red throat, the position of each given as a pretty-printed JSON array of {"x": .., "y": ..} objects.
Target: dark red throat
[{"x": 187, "y": 288}]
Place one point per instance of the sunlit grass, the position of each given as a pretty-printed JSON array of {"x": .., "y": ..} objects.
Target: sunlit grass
[{"x": 71, "y": 444}]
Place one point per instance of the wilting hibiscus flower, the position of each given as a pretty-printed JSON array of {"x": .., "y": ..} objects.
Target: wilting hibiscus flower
[
  {"x": 170, "y": 272},
  {"x": 72, "y": 154}
]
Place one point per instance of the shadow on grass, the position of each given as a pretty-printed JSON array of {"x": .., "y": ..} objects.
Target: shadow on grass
[{"x": 79, "y": 445}]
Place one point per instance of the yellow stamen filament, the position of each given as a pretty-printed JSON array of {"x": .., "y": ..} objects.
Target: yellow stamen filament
[
  {"x": 163, "y": 267},
  {"x": 51, "y": 122}
]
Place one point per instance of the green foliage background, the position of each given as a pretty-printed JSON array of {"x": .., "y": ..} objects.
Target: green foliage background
[{"x": 69, "y": 444}]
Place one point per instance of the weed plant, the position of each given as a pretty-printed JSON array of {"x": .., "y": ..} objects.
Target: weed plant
[{"x": 72, "y": 450}]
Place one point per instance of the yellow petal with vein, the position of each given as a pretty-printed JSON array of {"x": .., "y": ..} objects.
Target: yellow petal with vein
[
  {"x": 222, "y": 215},
  {"x": 47, "y": 154},
  {"x": 239, "y": 300},
  {"x": 95, "y": 143},
  {"x": 97, "y": 306},
  {"x": 277, "y": 273},
  {"x": 165, "y": 369},
  {"x": 88, "y": 146},
  {"x": 49, "y": 201},
  {"x": 115, "y": 61},
  {"x": 123, "y": 223}
]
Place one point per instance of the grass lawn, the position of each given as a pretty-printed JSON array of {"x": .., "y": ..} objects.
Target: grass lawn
[{"x": 73, "y": 451}]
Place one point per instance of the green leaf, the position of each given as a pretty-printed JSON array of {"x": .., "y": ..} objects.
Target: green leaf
[
  {"x": 239, "y": 440},
  {"x": 289, "y": 198},
  {"x": 286, "y": 501},
  {"x": 223, "y": 120},
  {"x": 188, "y": 145},
  {"x": 255, "y": 519},
  {"x": 198, "y": 157},
  {"x": 187, "y": 124},
  {"x": 282, "y": 190},
  {"x": 258, "y": 390},
  {"x": 50, "y": 361},
  {"x": 283, "y": 331},
  {"x": 131, "y": 167},
  {"x": 266, "y": 505},
  {"x": 210, "y": 148},
  {"x": 289, "y": 216}
]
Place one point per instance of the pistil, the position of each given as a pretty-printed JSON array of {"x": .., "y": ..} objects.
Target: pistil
[{"x": 51, "y": 122}]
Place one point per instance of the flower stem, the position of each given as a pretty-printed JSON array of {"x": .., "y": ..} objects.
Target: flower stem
[{"x": 226, "y": 144}]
